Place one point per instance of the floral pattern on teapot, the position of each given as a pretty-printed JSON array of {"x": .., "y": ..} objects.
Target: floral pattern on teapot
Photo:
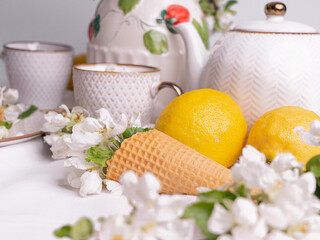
[
  {"x": 94, "y": 27},
  {"x": 154, "y": 41}
]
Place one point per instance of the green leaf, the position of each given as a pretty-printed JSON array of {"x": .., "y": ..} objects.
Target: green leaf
[
  {"x": 65, "y": 231},
  {"x": 127, "y": 5},
  {"x": 207, "y": 7},
  {"x": 229, "y": 4},
  {"x": 216, "y": 196},
  {"x": 159, "y": 20},
  {"x": 99, "y": 156},
  {"x": 163, "y": 14},
  {"x": 129, "y": 132},
  {"x": 200, "y": 213},
  {"x": 96, "y": 21},
  {"x": 170, "y": 28},
  {"x": 96, "y": 30},
  {"x": 156, "y": 42},
  {"x": 242, "y": 191},
  {"x": 314, "y": 166},
  {"x": 67, "y": 129},
  {"x": 203, "y": 31},
  {"x": 82, "y": 230},
  {"x": 27, "y": 113},
  {"x": 73, "y": 121},
  {"x": 317, "y": 193},
  {"x": 6, "y": 124}
]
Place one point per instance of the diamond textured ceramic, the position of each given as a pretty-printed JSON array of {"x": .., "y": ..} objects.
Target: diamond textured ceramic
[
  {"x": 140, "y": 32},
  {"x": 128, "y": 89},
  {"x": 40, "y": 71},
  {"x": 262, "y": 65}
]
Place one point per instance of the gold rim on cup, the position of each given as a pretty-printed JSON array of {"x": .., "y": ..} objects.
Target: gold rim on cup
[
  {"x": 78, "y": 67},
  {"x": 67, "y": 48}
]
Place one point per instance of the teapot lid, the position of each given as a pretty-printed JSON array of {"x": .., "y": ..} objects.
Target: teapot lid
[{"x": 275, "y": 22}]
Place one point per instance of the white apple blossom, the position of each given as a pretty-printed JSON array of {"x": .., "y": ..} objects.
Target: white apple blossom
[
  {"x": 225, "y": 237},
  {"x": 284, "y": 162},
  {"x": 310, "y": 137},
  {"x": 252, "y": 169},
  {"x": 10, "y": 96},
  {"x": 113, "y": 187},
  {"x": 278, "y": 235},
  {"x": 254, "y": 232},
  {"x": 153, "y": 216},
  {"x": 12, "y": 112},
  {"x": 78, "y": 161},
  {"x": 220, "y": 221},
  {"x": 225, "y": 19},
  {"x": 243, "y": 216},
  {"x": 91, "y": 183},
  {"x": 59, "y": 148},
  {"x": 85, "y": 135},
  {"x": 143, "y": 191},
  {"x": 54, "y": 122},
  {"x": 244, "y": 211},
  {"x": 3, "y": 132}
]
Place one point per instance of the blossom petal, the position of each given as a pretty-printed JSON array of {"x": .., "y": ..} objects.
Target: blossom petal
[
  {"x": 220, "y": 220},
  {"x": 91, "y": 183},
  {"x": 307, "y": 137},
  {"x": 55, "y": 122},
  {"x": 85, "y": 135},
  {"x": 273, "y": 216},
  {"x": 278, "y": 235},
  {"x": 113, "y": 187},
  {"x": 3, "y": 132},
  {"x": 79, "y": 162},
  {"x": 285, "y": 161},
  {"x": 74, "y": 180},
  {"x": 244, "y": 211},
  {"x": 10, "y": 96}
]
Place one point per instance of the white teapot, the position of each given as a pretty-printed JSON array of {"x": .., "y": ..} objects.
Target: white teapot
[
  {"x": 141, "y": 32},
  {"x": 262, "y": 65}
]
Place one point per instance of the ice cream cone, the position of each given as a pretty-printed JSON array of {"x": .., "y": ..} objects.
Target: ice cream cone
[
  {"x": 1, "y": 114},
  {"x": 179, "y": 168}
]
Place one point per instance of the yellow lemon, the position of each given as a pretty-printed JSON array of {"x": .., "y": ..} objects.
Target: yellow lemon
[
  {"x": 273, "y": 133},
  {"x": 78, "y": 59},
  {"x": 208, "y": 121}
]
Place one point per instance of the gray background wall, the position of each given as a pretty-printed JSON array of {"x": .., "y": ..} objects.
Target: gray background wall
[{"x": 66, "y": 21}]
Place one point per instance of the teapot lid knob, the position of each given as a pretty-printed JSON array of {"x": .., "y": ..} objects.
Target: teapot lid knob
[{"x": 275, "y": 9}]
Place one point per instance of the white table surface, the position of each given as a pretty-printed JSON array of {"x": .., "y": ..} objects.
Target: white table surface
[{"x": 35, "y": 198}]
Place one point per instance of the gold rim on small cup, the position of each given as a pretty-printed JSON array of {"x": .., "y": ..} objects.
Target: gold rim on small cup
[
  {"x": 65, "y": 48},
  {"x": 78, "y": 67}
]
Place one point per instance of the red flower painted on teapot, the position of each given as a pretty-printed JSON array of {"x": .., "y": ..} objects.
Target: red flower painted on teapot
[
  {"x": 174, "y": 15},
  {"x": 94, "y": 27},
  {"x": 180, "y": 13}
]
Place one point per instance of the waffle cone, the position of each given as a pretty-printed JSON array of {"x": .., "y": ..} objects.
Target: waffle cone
[
  {"x": 1, "y": 114},
  {"x": 179, "y": 168}
]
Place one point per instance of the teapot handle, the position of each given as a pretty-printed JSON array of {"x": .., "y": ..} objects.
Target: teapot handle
[{"x": 156, "y": 89}]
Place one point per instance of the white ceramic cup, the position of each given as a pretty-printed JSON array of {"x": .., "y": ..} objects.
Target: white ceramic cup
[
  {"x": 39, "y": 70},
  {"x": 127, "y": 89}
]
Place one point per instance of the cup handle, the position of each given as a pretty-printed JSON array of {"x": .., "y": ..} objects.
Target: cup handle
[{"x": 163, "y": 85}]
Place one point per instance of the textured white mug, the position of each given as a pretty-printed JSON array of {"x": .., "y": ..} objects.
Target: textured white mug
[
  {"x": 39, "y": 70},
  {"x": 127, "y": 89}
]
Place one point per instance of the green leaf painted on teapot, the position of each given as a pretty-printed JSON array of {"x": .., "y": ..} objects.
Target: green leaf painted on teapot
[
  {"x": 127, "y": 5},
  {"x": 203, "y": 31},
  {"x": 156, "y": 42}
]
